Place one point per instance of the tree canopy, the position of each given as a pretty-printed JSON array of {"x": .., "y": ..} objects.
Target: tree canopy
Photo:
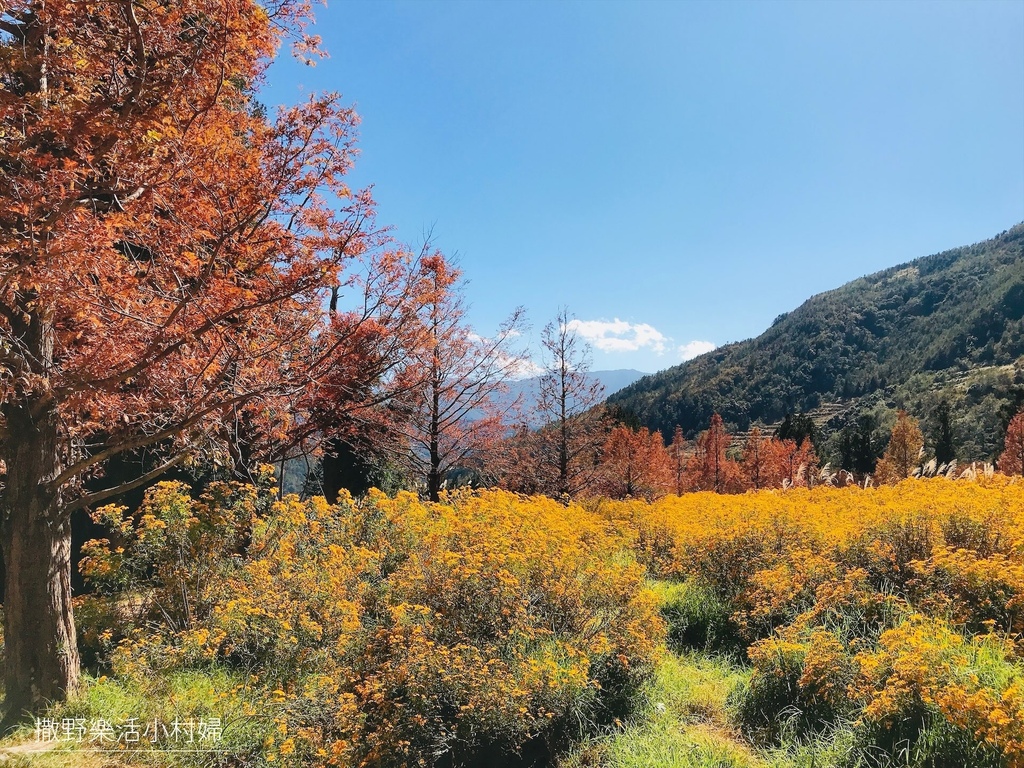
[{"x": 165, "y": 253}]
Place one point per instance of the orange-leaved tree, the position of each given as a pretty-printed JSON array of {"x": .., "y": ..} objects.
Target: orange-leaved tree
[
  {"x": 635, "y": 464},
  {"x": 165, "y": 253},
  {"x": 709, "y": 469},
  {"x": 903, "y": 453},
  {"x": 789, "y": 463},
  {"x": 754, "y": 461},
  {"x": 455, "y": 415},
  {"x": 677, "y": 453},
  {"x": 350, "y": 397},
  {"x": 1011, "y": 461},
  {"x": 352, "y": 414}
]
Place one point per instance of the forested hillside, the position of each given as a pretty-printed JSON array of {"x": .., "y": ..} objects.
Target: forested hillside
[{"x": 947, "y": 327}]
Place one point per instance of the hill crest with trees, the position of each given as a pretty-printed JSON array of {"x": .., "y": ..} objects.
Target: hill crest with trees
[{"x": 946, "y": 328}]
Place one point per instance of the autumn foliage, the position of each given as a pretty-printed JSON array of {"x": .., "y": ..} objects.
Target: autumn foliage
[
  {"x": 453, "y": 418},
  {"x": 174, "y": 270},
  {"x": 775, "y": 463},
  {"x": 710, "y": 469},
  {"x": 635, "y": 464},
  {"x": 1011, "y": 461},
  {"x": 165, "y": 251},
  {"x": 903, "y": 454}
]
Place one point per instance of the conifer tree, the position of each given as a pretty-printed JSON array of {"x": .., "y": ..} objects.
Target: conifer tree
[
  {"x": 1011, "y": 461},
  {"x": 945, "y": 444},
  {"x": 677, "y": 452},
  {"x": 903, "y": 453},
  {"x": 710, "y": 469}
]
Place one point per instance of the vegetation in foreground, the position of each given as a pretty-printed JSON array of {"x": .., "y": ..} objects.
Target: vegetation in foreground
[
  {"x": 882, "y": 627},
  {"x": 852, "y": 628},
  {"x": 485, "y": 630}
]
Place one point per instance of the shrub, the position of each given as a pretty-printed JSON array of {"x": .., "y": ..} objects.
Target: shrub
[
  {"x": 943, "y": 699},
  {"x": 697, "y": 619},
  {"x": 777, "y": 595},
  {"x": 166, "y": 563},
  {"x": 977, "y": 593},
  {"x": 892, "y": 615},
  {"x": 390, "y": 632},
  {"x": 798, "y": 685}
]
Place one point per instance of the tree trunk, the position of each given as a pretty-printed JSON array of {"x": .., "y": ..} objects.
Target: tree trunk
[
  {"x": 41, "y": 650},
  {"x": 434, "y": 485},
  {"x": 434, "y": 474}
]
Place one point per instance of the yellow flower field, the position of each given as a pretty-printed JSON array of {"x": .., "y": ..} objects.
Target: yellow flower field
[
  {"x": 897, "y": 610},
  {"x": 857, "y": 628}
]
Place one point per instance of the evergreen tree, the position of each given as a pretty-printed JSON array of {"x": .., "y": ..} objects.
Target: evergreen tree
[
  {"x": 798, "y": 427},
  {"x": 846, "y": 452},
  {"x": 858, "y": 449},
  {"x": 945, "y": 442}
]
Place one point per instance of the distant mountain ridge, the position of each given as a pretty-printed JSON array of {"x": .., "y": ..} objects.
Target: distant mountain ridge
[
  {"x": 943, "y": 327},
  {"x": 611, "y": 380}
]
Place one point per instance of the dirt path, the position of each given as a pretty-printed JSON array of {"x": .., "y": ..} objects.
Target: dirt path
[{"x": 25, "y": 750}]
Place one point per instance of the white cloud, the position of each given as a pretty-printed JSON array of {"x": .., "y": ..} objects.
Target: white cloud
[
  {"x": 692, "y": 349},
  {"x": 523, "y": 367},
  {"x": 517, "y": 366},
  {"x": 619, "y": 336}
]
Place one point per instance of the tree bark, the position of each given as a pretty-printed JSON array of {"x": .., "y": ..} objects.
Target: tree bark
[
  {"x": 40, "y": 646},
  {"x": 434, "y": 474}
]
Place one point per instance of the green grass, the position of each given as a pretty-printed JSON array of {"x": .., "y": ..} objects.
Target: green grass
[
  {"x": 188, "y": 694},
  {"x": 686, "y": 717},
  {"x": 693, "y": 688},
  {"x": 682, "y": 723},
  {"x": 686, "y": 721}
]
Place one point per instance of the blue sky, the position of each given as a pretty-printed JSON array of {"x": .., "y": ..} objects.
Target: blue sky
[{"x": 677, "y": 173}]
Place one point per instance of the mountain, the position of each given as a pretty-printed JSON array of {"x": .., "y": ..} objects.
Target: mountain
[
  {"x": 613, "y": 381},
  {"x": 528, "y": 389},
  {"x": 947, "y": 327}
]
